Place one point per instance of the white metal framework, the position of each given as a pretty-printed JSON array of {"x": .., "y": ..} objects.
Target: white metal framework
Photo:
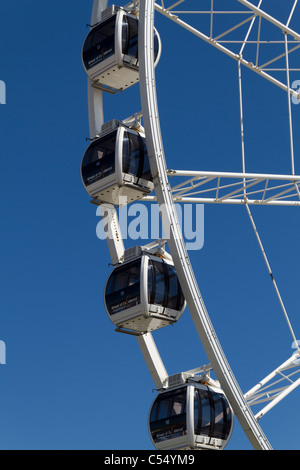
[
  {"x": 273, "y": 59},
  {"x": 235, "y": 188},
  {"x": 242, "y": 41},
  {"x": 237, "y": 47},
  {"x": 263, "y": 391}
]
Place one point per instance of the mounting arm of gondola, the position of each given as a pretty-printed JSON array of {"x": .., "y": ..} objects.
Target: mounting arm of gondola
[
  {"x": 95, "y": 102},
  {"x": 96, "y": 121},
  {"x": 95, "y": 106},
  {"x": 113, "y": 233},
  {"x": 134, "y": 121},
  {"x": 153, "y": 360}
]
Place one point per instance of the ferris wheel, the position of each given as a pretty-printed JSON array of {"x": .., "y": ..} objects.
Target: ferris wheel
[{"x": 150, "y": 287}]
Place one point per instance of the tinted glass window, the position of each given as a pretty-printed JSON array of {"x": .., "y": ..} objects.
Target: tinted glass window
[
  {"x": 130, "y": 38},
  {"x": 222, "y": 417},
  {"x": 123, "y": 288},
  {"x": 163, "y": 286},
  {"x": 100, "y": 43},
  {"x": 135, "y": 157},
  {"x": 157, "y": 289},
  {"x": 203, "y": 423},
  {"x": 168, "y": 415},
  {"x": 99, "y": 159},
  {"x": 156, "y": 45},
  {"x": 212, "y": 414},
  {"x": 175, "y": 295}
]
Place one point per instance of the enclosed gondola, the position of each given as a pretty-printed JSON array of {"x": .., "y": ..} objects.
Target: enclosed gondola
[
  {"x": 115, "y": 167},
  {"x": 191, "y": 416},
  {"x": 110, "y": 50},
  {"x": 144, "y": 294}
]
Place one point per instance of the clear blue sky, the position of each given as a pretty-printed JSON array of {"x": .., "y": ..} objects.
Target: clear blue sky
[{"x": 70, "y": 381}]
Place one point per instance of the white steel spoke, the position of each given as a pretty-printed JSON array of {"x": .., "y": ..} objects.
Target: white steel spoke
[
  {"x": 248, "y": 33},
  {"x": 292, "y": 12},
  {"x": 278, "y": 197},
  {"x": 289, "y": 107},
  {"x": 271, "y": 275}
]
